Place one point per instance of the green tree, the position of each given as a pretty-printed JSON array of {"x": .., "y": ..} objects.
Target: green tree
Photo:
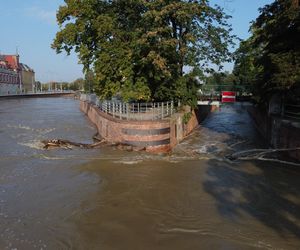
[
  {"x": 44, "y": 87},
  {"x": 245, "y": 68},
  {"x": 38, "y": 85},
  {"x": 276, "y": 36},
  {"x": 139, "y": 48},
  {"x": 90, "y": 82},
  {"x": 65, "y": 85},
  {"x": 78, "y": 84},
  {"x": 220, "y": 81}
]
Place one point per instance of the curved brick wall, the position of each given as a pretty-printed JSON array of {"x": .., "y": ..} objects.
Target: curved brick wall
[{"x": 154, "y": 136}]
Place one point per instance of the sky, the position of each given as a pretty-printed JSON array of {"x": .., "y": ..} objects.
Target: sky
[{"x": 29, "y": 27}]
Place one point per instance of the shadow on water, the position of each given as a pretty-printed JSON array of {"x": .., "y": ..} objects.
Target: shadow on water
[{"x": 267, "y": 192}]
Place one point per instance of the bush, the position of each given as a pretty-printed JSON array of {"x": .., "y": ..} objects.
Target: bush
[{"x": 186, "y": 117}]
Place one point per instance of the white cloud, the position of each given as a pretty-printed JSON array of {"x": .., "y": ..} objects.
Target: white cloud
[{"x": 48, "y": 16}]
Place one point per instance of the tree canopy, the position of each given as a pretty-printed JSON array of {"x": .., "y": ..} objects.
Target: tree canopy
[
  {"x": 270, "y": 58},
  {"x": 139, "y": 49}
]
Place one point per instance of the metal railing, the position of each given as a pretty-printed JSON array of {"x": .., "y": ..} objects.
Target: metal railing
[
  {"x": 132, "y": 111},
  {"x": 292, "y": 111}
]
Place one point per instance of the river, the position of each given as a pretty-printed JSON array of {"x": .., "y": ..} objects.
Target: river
[{"x": 109, "y": 199}]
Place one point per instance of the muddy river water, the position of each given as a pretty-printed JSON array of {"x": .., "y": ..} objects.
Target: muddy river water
[{"x": 109, "y": 199}]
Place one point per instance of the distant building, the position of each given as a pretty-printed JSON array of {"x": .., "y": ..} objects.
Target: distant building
[
  {"x": 10, "y": 77},
  {"x": 27, "y": 78},
  {"x": 15, "y": 77}
]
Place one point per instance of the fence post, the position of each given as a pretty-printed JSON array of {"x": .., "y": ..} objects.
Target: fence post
[
  {"x": 162, "y": 110},
  {"x": 153, "y": 111},
  {"x": 127, "y": 111},
  {"x": 172, "y": 107},
  {"x": 167, "y": 108}
]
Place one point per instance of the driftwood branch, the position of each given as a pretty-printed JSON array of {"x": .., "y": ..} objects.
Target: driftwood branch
[{"x": 58, "y": 143}]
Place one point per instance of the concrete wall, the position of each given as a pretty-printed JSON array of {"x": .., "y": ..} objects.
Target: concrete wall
[
  {"x": 279, "y": 132},
  {"x": 289, "y": 136},
  {"x": 179, "y": 130},
  {"x": 154, "y": 136}
]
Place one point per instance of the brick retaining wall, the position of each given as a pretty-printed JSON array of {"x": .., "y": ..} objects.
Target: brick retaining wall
[
  {"x": 152, "y": 135},
  {"x": 155, "y": 136}
]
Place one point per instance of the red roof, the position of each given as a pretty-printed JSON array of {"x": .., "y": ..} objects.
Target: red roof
[{"x": 13, "y": 61}]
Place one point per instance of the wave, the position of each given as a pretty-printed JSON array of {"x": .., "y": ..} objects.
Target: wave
[{"x": 39, "y": 130}]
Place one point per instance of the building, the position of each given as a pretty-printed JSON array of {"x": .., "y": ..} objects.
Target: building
[
  {"x": 15, "y": 77},
  {"x": 10, "y": 77},
  {"x": 28, "y": 78}
]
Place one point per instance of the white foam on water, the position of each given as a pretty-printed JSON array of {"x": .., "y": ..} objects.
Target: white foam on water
[
  {"x": 201, "y": 150},
  {"x": 33, "y": 144},
  {"x": 128, "y": 162},
  {"x": 45, "y": 130},
  {"x": 20, "y": 127},
  {"x": 182, "y": 230},
  {"x": 42, "y": 156},
  {"x": 39, "y": 130}
]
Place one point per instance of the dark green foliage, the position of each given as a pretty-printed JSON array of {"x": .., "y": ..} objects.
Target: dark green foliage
[
  {"x": 78, "y": 84},
  {"x": 223, "y": 81},
  {"x": 245, "y": 68},
  {"x": 277, "y": 31},
  {"x": 186, "y": 117},
  {"x": 270, "y": 59},
  {"x": 90, "y": 83},
  {"x": 138, "y": 49},
  {"x": 38, "y": 85}
]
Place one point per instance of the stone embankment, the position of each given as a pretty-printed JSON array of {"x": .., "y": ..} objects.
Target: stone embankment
[{"x": 156, "y": 136}]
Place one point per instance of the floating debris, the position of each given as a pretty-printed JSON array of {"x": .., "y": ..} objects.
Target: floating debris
[{"x": 58, "y": 143}]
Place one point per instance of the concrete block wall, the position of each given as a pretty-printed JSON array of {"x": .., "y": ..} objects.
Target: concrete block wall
[
  {"x": 286, "y": 134},
  {"x": 277, "y": 131}
]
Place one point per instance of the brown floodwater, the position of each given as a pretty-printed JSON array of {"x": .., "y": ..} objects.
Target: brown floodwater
[{"x": 109, "y": 199}]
